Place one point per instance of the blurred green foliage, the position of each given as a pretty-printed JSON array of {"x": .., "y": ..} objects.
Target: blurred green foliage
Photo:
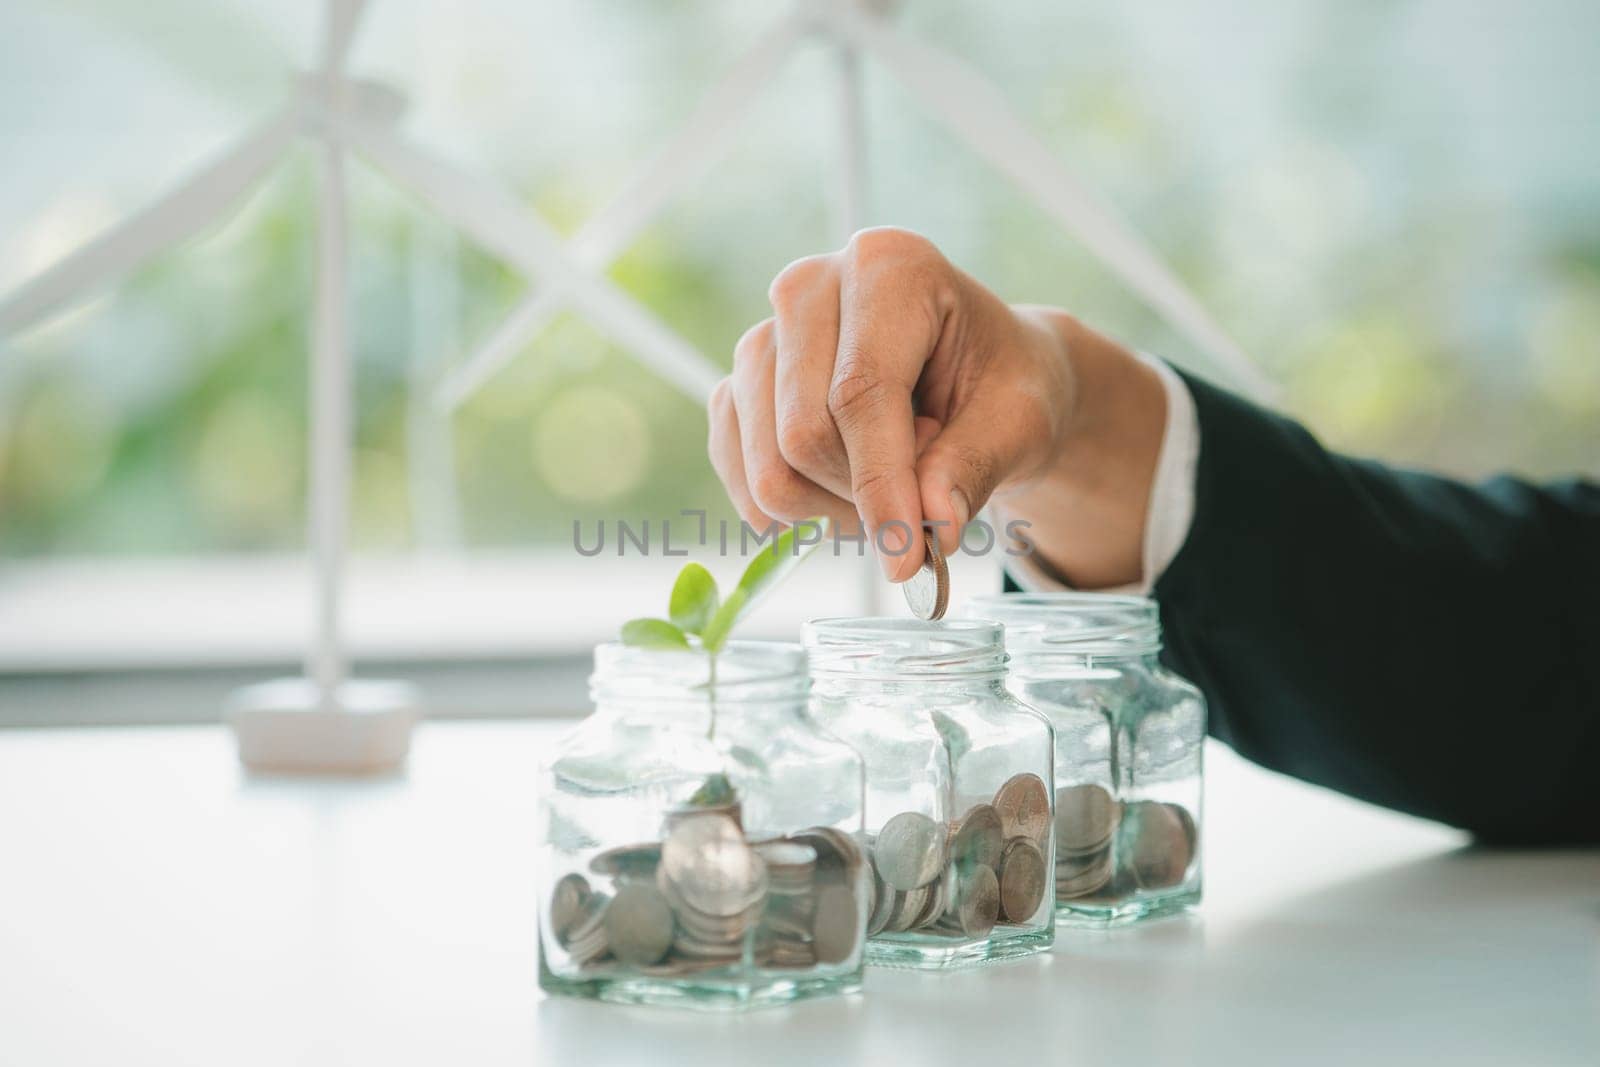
[{"x": 1418, "y": 299}]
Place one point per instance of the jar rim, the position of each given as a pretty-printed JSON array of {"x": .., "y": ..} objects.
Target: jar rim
[
  {"x": 885, "y": 648},
  {"x": 1073, "y": 623}
]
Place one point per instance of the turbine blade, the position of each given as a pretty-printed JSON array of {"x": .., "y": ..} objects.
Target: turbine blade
[
  {"x": 976, "y": 113},
  {"x": 341, "y": 19},
  {"x": 703, "y": 139},
  {"x": 172, "y": 219},
  {"x": 706, "y": 136},
  {"x": 526, "y": 320},
  {"x": 501, "y": 224}
]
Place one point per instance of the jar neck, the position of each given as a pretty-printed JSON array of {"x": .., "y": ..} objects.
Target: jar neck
[
  {"x": 934, "y": 688},
  {"x": 1026, "y": 665},
  {"x": 851, "y": 654},
  {"x": 747, "y": 678},
  {"x": 1074, "y": 630}
]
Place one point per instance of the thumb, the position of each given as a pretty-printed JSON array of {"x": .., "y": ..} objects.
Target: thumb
[{"x": 961, "y": 467}]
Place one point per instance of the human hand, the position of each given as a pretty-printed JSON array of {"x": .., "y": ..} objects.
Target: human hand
[{"x": 890, "y": 390}]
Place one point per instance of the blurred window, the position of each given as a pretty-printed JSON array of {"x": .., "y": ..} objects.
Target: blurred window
[{"x": 1392, "y": 205}]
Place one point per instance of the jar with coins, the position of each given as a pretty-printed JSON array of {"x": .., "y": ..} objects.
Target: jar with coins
[
  {"x": 1129, "y": 738},
  {"x": 960, "y": 829},
  {"x": 702, "y": 839}
]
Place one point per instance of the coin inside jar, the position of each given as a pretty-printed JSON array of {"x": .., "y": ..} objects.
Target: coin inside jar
[
  {"x": 639, "y": 924},
  {"x": 883, "y": 900},
  {"x": 1022, "y": 880},
  {"x": 927, "y": 592},
  {"x": 706, "y": 863},
  {"x": 977, "y": 905},
  {"x": 909, "y": 851},
  {"x": 566, "y": 904},
  {"x": 1163, "y": 839},
  {"x": 1086, "y": 817},
  {"x": 978, "y": 839},
  {"x": 837, "y": 925},
  {"x": 1023, "y": 804}
]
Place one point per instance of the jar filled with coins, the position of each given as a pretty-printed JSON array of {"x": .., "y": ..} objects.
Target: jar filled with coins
[
  {"x": 1129, "y": 738},
  {"x": 960, "y": 830},
  {"x": 702, "y": 842}
]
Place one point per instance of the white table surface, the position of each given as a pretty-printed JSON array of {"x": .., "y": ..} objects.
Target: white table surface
[{"x": 159, "y": 907}]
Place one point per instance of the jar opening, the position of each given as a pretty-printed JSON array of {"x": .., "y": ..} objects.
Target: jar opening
[
  {"x": 746, "y": 672},
  {"x": 887, "y": 649},
  {"x": 1073, "y": 624}
]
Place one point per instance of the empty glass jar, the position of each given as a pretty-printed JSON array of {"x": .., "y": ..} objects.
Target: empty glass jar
[
  {"x": 702, "y": 842},
  {"x": 959, "y": 819},
  {"x": 1129, "y": 737}
]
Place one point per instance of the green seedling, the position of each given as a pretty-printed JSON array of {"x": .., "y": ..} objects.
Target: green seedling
[{"x": 700, "y": 620}]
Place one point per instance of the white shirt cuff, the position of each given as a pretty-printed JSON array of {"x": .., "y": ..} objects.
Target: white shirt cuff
[{"x": 1171, "y": 507}]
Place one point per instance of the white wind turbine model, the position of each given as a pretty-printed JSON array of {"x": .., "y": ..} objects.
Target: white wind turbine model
[
  {"x": 326, "y": 720},
  {"x": 951, "y": 92}
]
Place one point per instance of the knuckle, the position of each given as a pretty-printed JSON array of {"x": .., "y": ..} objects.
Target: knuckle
[
  {"x": 853, "y": 394},
  {"x": 978, "y": 463},
  {"x": 805, "y": 438},
  {"x": 796, "y": 281},
  {"x": 717, "y": 402},
  {"x": 866, "y": 483},
  {"x": 755, "y": 341},
  {"x": 882, "y": 245},
  {"x": 776, "y": 490}
]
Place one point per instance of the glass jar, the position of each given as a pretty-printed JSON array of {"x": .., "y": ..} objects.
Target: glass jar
[
  {"x": 1129, "y": 741},
  {"x": 702, "y": 836},
  {"x": 958, "y": 807}
]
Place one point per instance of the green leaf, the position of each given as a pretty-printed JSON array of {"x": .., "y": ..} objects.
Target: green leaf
[
  {"x": 653, "y": 633},
  {"x": 694, "y": 599},
  {"x": 771, "y": 565},
  {"x": 716, "y": 632},
  {"x": 714, "y": 792}
]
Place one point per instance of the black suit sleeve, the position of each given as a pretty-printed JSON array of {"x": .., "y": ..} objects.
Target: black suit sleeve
[{"x": 1409, "y": 640}]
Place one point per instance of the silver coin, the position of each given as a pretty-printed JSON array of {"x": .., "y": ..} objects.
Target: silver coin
[
  {"x": 733, "y": 810},
  {"x": 882, "y": 906},
  {"x": 837, "y": 929},
  {"x": 627, "y": 861},
  {"x": 906, "y": 909},
  {"x": 1081, "y": 876},
  {"x": 790, "y": 865},
  {"x": 708, "y": 865},
  {"x": 977, "y": 904},
  {"x": 1023, "y": 803},
  {"x": 566, "y": 904},
  {"x": 839, "y": 856},
  {"x": 586, "y": 940},
  {"x": 977, "y": 840},
  {"x": 909, "y": 851},
  {"x": 1023, "y": 880},
  {"x": 927, "y": 592},
  {"x": 687, "y": 946},
  {"x": 639, "y": 924},
  {"x": 1086, "y": 817}
]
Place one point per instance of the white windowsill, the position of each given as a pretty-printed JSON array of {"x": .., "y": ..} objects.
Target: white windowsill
[{"x": 87, "y": 615}]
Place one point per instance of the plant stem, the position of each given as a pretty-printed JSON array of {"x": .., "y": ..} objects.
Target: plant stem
[{"x": 711, "y": 695}]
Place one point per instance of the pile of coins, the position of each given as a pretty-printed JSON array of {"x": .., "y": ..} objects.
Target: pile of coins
[
  {"x": 1155, "y": 840},
  {"x": 960, "y": 879},
  {"x": 697, "y": 899}
]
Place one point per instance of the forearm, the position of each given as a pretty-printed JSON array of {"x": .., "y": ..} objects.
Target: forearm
[{"x": 1406, "y": 639}]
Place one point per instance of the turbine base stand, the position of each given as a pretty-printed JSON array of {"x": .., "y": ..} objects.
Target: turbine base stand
[{"x": 285, "y": 727}]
